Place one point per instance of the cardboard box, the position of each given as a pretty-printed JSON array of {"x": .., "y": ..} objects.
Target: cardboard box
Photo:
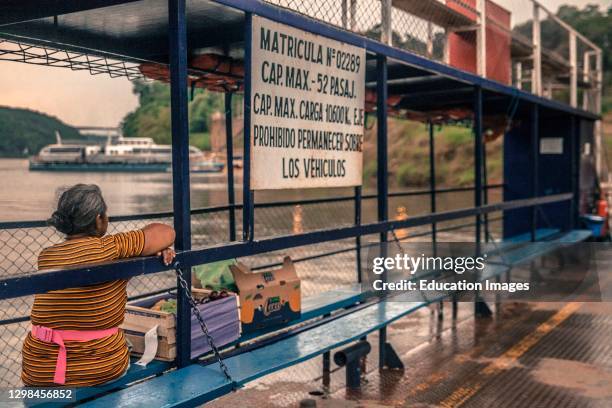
[
  {"x": 268, "y": 298},
  {"x": 221, "y": 317}
]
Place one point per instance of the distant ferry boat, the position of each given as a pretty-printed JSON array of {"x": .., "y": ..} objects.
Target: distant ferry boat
[{"x": 125, "y": 154}]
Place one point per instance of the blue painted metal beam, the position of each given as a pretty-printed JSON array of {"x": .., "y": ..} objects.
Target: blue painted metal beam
[
  {"x": 382, "y": 182},
  {"x": 432, "y": 179},
  {"x": 478, "y": 161},
  {"x": 478, "y": 150},
  {"x": 358, "y": 238},
  {"x": 229, "y": 152},
  {"x": 248, "y": 212},
  {"x": 575, "y": 146},
  {"x": 177, "y": 35},
  {"x": 381, "y": 140},
  {"x": 535, "y": 147}
]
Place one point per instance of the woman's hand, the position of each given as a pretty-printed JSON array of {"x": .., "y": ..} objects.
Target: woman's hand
[{"x": 167, "y": 255}]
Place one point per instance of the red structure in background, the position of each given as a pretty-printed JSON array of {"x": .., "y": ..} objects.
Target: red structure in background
[{"x": 462, "y": 45}]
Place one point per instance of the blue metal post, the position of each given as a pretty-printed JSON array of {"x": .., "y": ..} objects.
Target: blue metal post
[
  {"x": 358, "y": 237},
  {"x": 247, "y": 193},
  {"x": 480, "y": 307},
  {"x": 575, "y": 171},
  {"x": 358, "y": 241},
  {"x": 180, "y": 165},
  {"x": 326, "y": 377},
  {"x": 432, "y": 197},
  {"x": 478, "y": 160},
  {"x": 535, "y": 140},
  {"x": 485, "y": 190},
  {"x": 229, "y": 147},
  {"x": 382, "y": 173},
  {"x": 432, "y": 181},
  {"x": 381, "y": 138}
]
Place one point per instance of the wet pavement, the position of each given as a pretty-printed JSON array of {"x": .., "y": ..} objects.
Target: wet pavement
[
  {"x": 525, "y": 355},
  {"x": 535, "y": 354}
]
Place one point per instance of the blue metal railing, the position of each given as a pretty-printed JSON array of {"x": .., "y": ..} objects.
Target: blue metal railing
[
  {"x": 267, "y": 205},
  {"x": 58, "y": 279}
]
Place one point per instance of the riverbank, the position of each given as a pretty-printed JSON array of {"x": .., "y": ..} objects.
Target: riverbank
[{"x": 409, "y": 156}]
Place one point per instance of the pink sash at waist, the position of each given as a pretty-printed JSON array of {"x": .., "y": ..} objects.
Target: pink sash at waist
[{"x": 58, "y": 337}]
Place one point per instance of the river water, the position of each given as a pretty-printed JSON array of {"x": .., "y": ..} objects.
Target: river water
[{"x": 26, "y": 195}]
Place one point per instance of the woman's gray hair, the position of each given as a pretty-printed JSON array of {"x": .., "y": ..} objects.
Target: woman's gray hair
[{"x": 77, "y": 209}]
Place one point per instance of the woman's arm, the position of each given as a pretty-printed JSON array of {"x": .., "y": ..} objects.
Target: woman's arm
[{"x": 157, "y": 238}]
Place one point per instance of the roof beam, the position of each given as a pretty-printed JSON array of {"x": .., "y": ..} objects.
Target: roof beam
[{"x": 17, "y": 11}]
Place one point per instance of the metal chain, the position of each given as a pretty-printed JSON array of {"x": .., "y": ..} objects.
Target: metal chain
[
  {"x": 397, "y": 240},
  {"x": 203, "y": 327}
]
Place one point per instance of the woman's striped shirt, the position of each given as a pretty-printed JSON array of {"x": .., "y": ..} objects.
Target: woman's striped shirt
[{"x": 94, "y": 307}]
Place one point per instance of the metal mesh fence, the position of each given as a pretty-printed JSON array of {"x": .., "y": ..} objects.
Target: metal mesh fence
[
  {"x": 22, "y": 244},
  {"x": 447, "y": 31},
  {"x": 360, "y": 16},
  {"x": 416, "y": 34},
  {"x": 365, "y": 17},
  {"x": 321, "y": 267}
]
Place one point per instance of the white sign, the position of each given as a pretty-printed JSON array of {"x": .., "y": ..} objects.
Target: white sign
[
  {"x": 551, "y": 145},
  {"x": 307, "y": 109}
]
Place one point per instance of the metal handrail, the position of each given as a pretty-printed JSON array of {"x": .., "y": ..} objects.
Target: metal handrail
[
  {"x": 294, "y": 260},
  {"x": 58, "y": 279}
]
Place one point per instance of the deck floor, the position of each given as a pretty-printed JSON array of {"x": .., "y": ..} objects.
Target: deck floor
[{"x": 536, "y": 355}]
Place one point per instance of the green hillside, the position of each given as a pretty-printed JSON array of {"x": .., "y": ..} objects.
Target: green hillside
[
  {"x": 409, "y": 156},
  {"x": 152, "y": 117},
  {"x": 24, "y": 132}
]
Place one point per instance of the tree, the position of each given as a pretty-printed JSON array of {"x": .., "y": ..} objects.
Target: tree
[
  {"x": 152, "y": 117},
  {"x": 25, "y": 132}
]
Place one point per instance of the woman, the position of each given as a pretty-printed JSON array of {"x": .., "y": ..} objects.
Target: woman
[{"x": 75, "y": 340}]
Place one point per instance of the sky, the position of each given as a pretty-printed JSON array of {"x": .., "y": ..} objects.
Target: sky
[
  {"x": 80, "y": 99},
  {"x": 75, "y": 97}
]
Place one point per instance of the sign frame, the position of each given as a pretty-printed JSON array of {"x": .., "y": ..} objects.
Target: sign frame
[{"x": 307, "y": 109}]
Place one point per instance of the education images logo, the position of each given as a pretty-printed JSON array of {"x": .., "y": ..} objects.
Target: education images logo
[{"x": 435, "y": 273}]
